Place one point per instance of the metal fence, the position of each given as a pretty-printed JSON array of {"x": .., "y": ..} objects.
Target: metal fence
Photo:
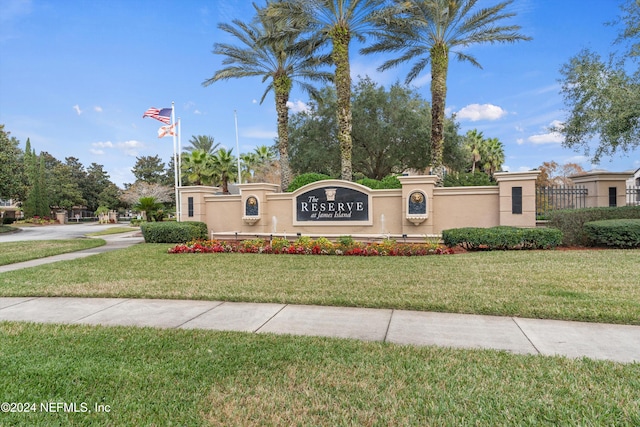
[
  {"x": 559, "y": 197},
  {"x": 633, "y": 196}
]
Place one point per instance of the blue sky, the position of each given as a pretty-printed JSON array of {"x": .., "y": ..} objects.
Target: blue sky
[{"x": 76, "y": 77}]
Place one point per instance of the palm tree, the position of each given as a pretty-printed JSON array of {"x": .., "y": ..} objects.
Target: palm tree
[
  {"x": 283, "y": 60},
  {"x": 149, "y": 208},
  {"x": 473, "y": 140},
  {"x": 337, "y": 21},
  {"x": 427, "y": 31},
  {"x": 493, "y": 151},
  {"x": 224, "y": 168},
  {"x": 197, "y": 168},
  {"x": 202, "y": 142}
]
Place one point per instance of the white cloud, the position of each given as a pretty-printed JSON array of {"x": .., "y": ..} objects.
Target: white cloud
[
  {"x": 520, "y": 141},
  {"x": 254, "y": 101},
  {"x": 130, "y": 148},
  {"x": 546, "y": 138},
  {"x": 77, "y": 109},
  {"x": 525, "y": 168},
  {"x": 550, "y": 137},
  {"x": 519, "y": 128},
  {"x": 475, "y": 112},
  {"x": 97, "y": 109},
  {"x": 298, "y": 107},
  {"x": 197, "y": 112},
  {"x": 107, "y": 144}
]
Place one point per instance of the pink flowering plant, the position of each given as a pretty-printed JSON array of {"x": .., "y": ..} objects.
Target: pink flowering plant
[{"x": 305, "y": 245}]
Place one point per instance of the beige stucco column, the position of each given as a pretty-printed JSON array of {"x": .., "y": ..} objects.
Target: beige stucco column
[
  {"x": 413, "y": 188},
  {"x": 192, "y": 202},
  {"x": 599, "y": 184},
  {"x": 517, "y": 198},
  {"x": 256, "y": 215}
]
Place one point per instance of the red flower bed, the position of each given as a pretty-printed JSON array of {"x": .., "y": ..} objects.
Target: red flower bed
[{"x": 307, "y": 246}]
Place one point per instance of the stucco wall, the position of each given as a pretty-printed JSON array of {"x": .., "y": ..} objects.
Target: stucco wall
[{"x": 388, "y": 210}]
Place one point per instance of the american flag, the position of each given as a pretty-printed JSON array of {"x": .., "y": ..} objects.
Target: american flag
[{"x": 164, "y": 115}]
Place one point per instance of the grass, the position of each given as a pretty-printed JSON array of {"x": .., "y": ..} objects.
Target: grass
[
  {"x": 6, "y": 229},
  {"x": 113, "y": 230},
  {"x": 179, "y": 377},
  {"x": 590, "y": 285},
  {"x": 12, "y": 252}
]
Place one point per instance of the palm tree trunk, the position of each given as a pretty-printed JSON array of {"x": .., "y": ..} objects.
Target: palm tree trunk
[
  {"x": 439, "y": 68},
  {"x": 282, "y": 86},
  {"x": 340, "y": 55}
]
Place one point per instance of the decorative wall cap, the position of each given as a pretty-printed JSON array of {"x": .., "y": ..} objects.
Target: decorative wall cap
[
  {"x": 418, "y": 179},
  {"x": 516, "y": 176},
  {"x": 601, "y": 176}
]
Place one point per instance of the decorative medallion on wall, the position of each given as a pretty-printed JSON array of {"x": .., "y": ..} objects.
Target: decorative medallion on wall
[
  {"x": 251, "y": 210},
  {"x": 417, "y": 203},
  {"x": 251, "y": 207},
  {"x": 417, "y": 207}
]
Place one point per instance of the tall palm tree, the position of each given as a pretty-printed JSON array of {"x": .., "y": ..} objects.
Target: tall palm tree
[
  {"x": 224, "y": 167},
  {"x": 473, "y": 140},
  {"x": 202, "y": 142},
  {"x": 337, "y": 21},
  {"x": 197, "y": 168},
  {"x": 493, "y": 151},
  {"x": 282, "y": 59},
  {"x": 428, "y": 31}
]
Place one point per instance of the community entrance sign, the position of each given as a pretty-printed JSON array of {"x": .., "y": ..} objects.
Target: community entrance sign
[{"x": 332, "y": 204}]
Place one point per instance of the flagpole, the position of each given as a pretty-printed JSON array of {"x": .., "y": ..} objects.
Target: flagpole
[
  {"x": 180, "y": 154},
  {"x": 239, "y": 179},
  {"x": 175, "y": 163}
]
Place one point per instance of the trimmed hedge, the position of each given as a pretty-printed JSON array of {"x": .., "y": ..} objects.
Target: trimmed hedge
[
  {"x": 174, "y": 232},
  {"x": 571, "y": 221},
  {"x": 304, "y": 179},
  {"x": 620, "y": 233},
  {"x": 502, "y": 238}
]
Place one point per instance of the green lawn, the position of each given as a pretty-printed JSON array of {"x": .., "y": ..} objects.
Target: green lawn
[
  {"x": 590, "y": 285},
  {"x": 173, "y": 377},
  {"x": 114, "y": 230},
  {"x": 12, "y": 252}
]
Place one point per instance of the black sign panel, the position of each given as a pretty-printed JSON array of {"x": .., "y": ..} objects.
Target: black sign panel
[{"x": 332, "y": 204}]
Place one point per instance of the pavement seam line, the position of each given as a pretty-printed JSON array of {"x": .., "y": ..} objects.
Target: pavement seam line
[
  {"x": 100, "y": 311},
  {"x": 386, "y": 333},
  {"x": 515, "y": 320},
  {"x": 200, "y": 315},
  {"x": 18, "y": 303},
  {"x": 270, "y": 318}
]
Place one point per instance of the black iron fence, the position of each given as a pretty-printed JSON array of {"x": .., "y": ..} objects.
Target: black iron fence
[
  {"x": 559, "y": 197},
  {"x": 633, "y": 196}
]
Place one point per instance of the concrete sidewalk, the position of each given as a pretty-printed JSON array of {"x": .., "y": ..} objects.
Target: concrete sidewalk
[{"x": 619, "y": 343}]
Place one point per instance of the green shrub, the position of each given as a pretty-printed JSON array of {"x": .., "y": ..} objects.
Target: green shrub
[
  {"x": 174, "y": 232},
  {"x": 7, "y": 220},
  {"x": 306, "y": 178},
  {"x": 621, "y": 233},
  {"x": 502, "y": 238},
  {"x": 388, "y": 182},
  {"x": 571, "y": 221},
  {"x": 467, "y": 180}
]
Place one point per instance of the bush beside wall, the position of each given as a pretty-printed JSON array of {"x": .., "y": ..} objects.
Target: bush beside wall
[
  {"x": 571, "y": 221},
  {"x": 502, "y": 238},
  {"x": 174, "y": 232},
  {"x": 620, "y": 233}
]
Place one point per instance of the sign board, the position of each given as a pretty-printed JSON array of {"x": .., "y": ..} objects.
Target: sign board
[{"x": 333, "y": 203}]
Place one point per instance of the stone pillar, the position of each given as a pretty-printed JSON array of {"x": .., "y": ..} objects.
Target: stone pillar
[
  {"x": 517, "y": 198},
  {"x": 192, "y": 203},
  {"x": 417, "y": 203},
  {"x": 601, "y": 184},
  {"x": 255, "y": 207}
]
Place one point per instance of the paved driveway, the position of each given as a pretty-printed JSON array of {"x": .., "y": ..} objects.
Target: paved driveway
[{"x": 54, "y": 232}]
